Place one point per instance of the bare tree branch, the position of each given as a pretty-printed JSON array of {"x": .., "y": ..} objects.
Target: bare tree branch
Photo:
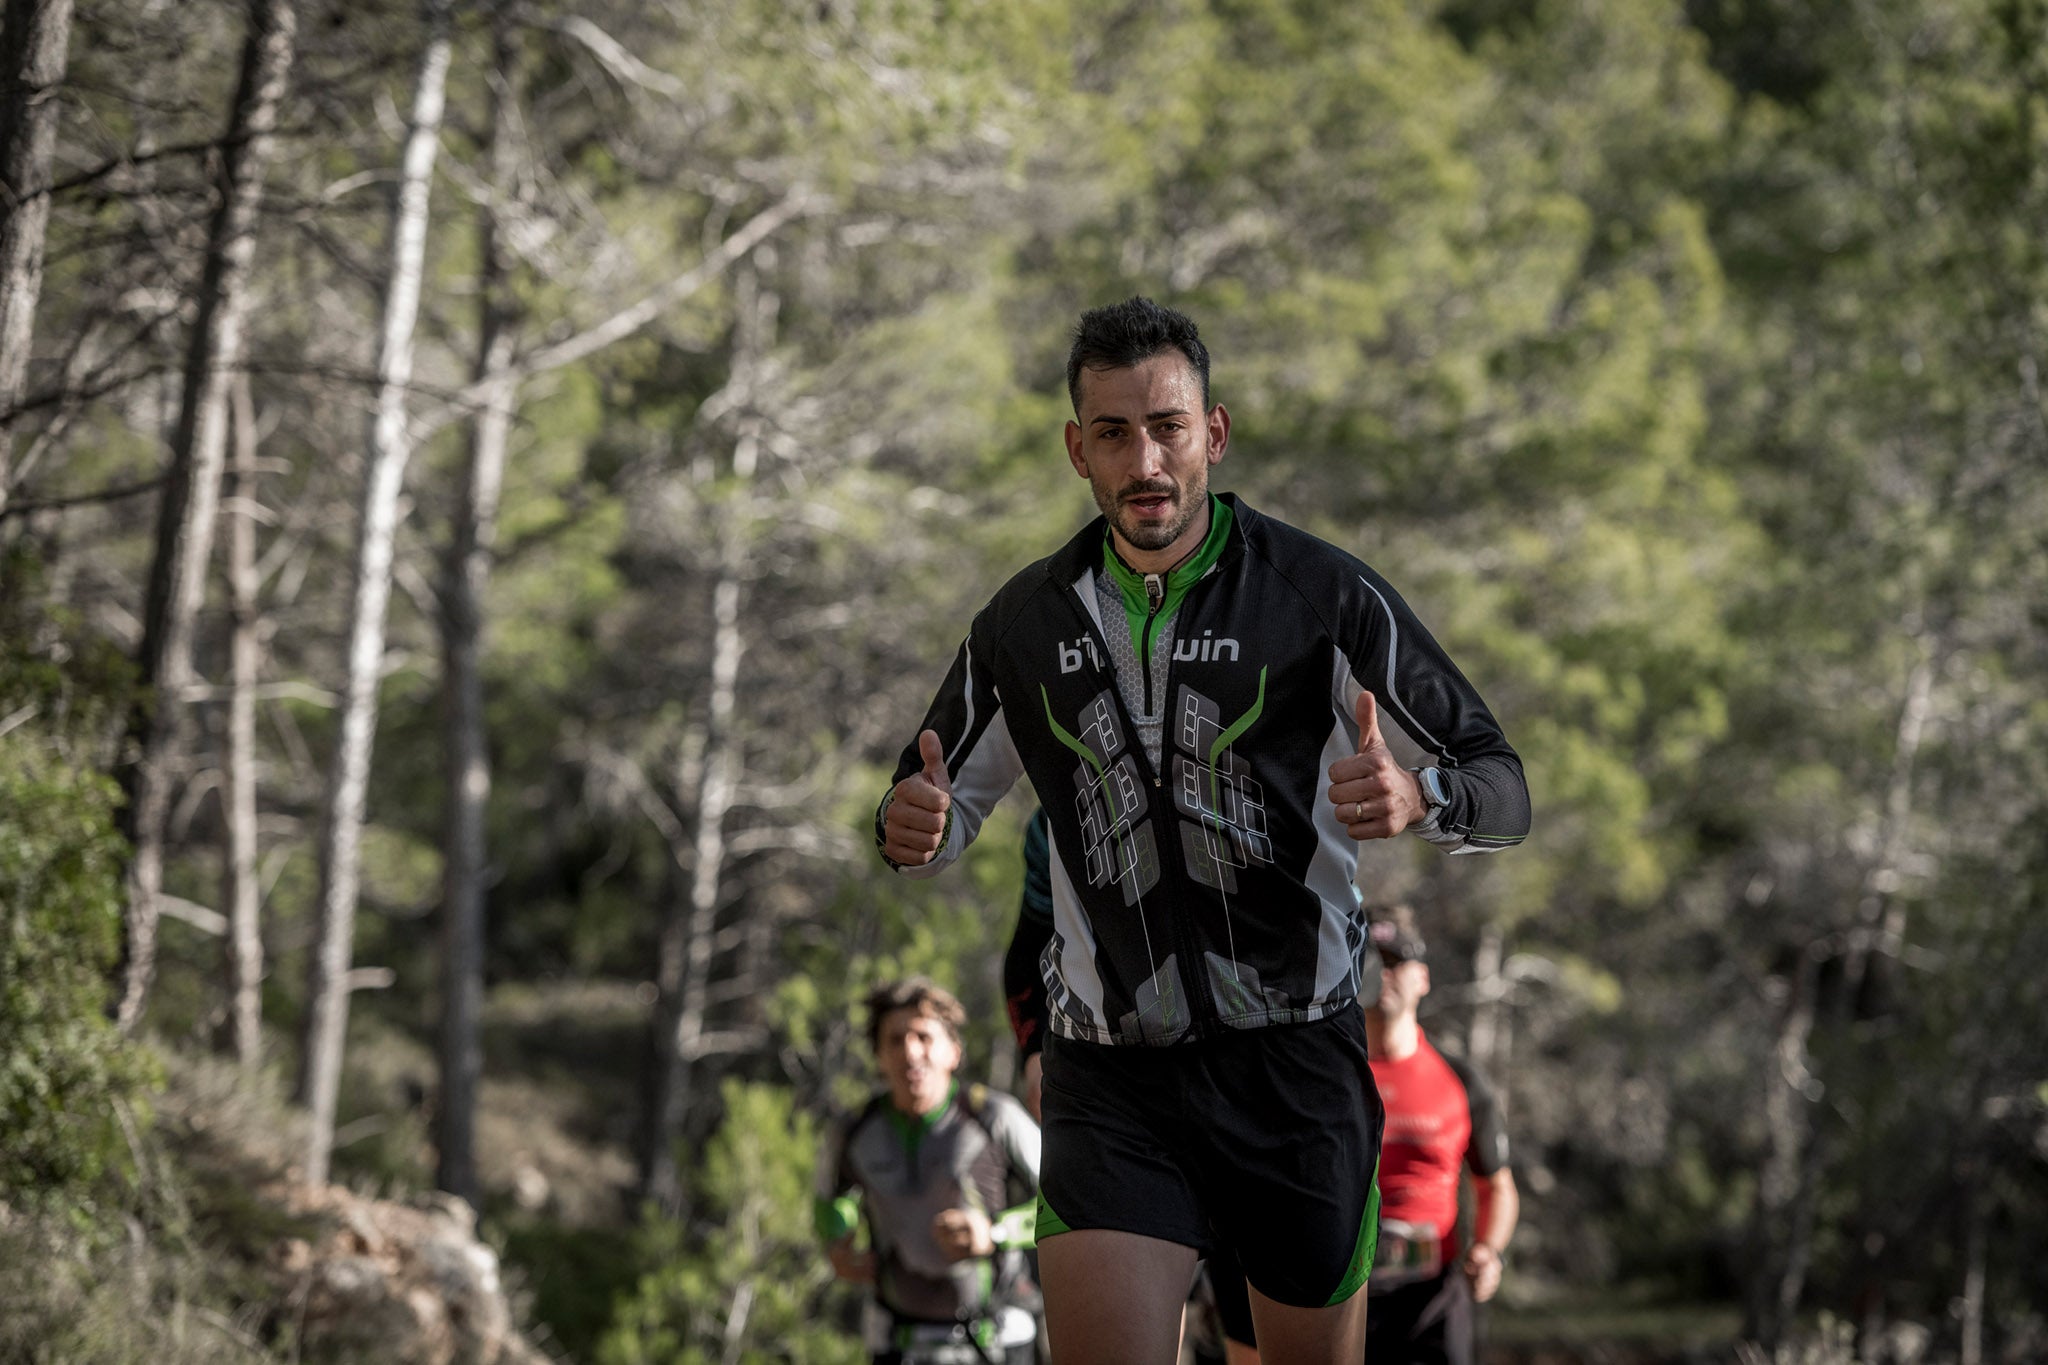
[
  {"x": 631, "y": 318},
  {"x": 616, "y": 59},
  {"x": 114, "y": 494}
]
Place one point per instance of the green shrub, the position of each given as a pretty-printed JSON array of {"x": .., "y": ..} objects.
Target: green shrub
[
  {"x": 746, "y": 1279},
  {"x": 66, "y": 1077}
]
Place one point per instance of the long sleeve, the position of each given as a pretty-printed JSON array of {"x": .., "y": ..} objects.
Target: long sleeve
[
  {"x": 981, "y": 761},
  {"x": 1387, "y": 649}
]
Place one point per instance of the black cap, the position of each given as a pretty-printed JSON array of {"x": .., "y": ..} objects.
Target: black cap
[{"x": 1393, "y": 933}]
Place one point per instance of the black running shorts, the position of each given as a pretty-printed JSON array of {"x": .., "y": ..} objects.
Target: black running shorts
[{"x": 1265, "y": 1141}]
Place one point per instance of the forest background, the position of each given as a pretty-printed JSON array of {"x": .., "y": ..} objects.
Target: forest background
[{"x": 486, "y": 490}]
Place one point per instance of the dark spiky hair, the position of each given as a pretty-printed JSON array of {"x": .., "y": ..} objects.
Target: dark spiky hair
[{"x": 1117, "y": 336}]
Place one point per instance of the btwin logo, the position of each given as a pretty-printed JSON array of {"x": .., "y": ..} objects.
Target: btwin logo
[
  {"x": 1204, "y": 651},
  {"x": 1070, "y": 655}
]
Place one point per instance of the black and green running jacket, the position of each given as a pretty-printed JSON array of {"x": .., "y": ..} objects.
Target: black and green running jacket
[{"x": 1210, "y": 887}]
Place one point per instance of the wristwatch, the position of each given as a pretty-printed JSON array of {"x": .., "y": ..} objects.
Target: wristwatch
[{"x": 1436, "y": 789}]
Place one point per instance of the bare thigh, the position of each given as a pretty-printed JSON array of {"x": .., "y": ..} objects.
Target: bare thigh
[
  {"x": 1309, "y": 1336},
  {"x": 1115, "y": 1298}
]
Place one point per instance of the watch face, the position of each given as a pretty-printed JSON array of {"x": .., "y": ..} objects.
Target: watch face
[{"x": 1435, "y": 788}]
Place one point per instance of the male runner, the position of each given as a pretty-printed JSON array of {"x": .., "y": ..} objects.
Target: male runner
[
  {"x": 1176, "y": 682},
  {"x": 1441, "y": 1119},
  {"x": 944, "y": 1178}
]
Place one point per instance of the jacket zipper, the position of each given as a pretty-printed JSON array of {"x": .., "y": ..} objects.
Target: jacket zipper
[
  {"x": 1201, "y": 1002},
  {"x": 1155, "y": 594}
]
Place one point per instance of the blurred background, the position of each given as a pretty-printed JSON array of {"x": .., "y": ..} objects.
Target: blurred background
[{"x": 488, "y": 488}]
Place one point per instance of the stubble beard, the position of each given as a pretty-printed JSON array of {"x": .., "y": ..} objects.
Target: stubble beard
[{"x": 1188, "y": 500}]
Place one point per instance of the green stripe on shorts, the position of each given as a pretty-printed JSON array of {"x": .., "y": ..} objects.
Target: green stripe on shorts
[
  {"x": 1050, "y": 1223},
  {"x": 1361, "y": 1254}
]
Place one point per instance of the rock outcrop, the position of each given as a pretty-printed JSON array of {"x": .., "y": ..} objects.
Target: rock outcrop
[{"x": 405, "y": 1283}]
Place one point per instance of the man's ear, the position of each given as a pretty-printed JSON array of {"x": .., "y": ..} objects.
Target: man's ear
[
  {"x": 1073, "y": 437},
  {"x": 1218, "y": 419}
]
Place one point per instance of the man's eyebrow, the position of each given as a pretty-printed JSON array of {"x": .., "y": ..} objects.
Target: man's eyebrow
[{"x": 1150, "y": 416}]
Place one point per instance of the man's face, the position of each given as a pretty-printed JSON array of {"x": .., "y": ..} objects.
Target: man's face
[
  {"x": 1145, "y": 445},
  {"x": 1402, "y": 986},
  {"x": 918, "y": 1057}
]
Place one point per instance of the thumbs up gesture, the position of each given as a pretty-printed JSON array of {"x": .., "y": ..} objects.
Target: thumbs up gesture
[
  {"x": 1375, "y": 797},
  {"x": 914, "y": 825}
]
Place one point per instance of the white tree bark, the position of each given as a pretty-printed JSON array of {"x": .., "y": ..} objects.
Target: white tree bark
[
  {"x": 467, "y": 573},
  {"x": 688, "y": 938},
  {"x": 35, "y": 39},
  {"x": 1486, "y": 1046},
  {"x": 493, "y": 392},
  {"x": 390, "y": 448},
  {"x": 1972, "y": 1298},
  {"x": 241, "y": 890},
  {"x": 684, "y": 971},
  {"x": 191, "y": 493},
  {"x": 1880, "y": 926}
]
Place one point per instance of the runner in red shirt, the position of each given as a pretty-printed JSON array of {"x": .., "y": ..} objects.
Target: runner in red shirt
[{"x": 1441, "y": 1119}]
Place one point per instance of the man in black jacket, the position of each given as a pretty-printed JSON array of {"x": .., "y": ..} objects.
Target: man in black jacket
[{"x": 1177, "y": 682}]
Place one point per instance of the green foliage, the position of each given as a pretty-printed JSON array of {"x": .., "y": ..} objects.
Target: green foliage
[
  {"x": 576, "y": 1277},
  {"x": 746, "y": 1282},
  {"x": 126, "y": 1305},
  {"x": 68, "y": 1082}
]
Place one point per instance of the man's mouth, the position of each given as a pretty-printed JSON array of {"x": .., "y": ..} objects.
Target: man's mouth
[{"x": 1149, "y": 503}]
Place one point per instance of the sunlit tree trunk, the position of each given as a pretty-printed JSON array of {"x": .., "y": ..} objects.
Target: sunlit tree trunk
[
  {"x": 241, "y": 893},
  {"x": 687, "y": 936},
  {"x": 688, "y": 940},
  {"x": 390, "y": 447},
  {"x": 466, "y": 576},
  {"x": 1486, "y": 1046},
  {"x": 191, "y": 490},
  {"x": 1881, "y": 915},
  {"x": 35, "y": 36},
  {"x": 1776, "y": 1269},
  {"x": 1800, "y": 1140}
]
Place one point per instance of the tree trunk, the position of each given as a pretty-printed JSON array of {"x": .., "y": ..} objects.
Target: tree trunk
[
  {"x": 185, "y": 515},
  {"x": 35, "y": 36},
  {"x": 1788, "y": 1194},
  {"x": 1971, "y": 1304},
  {"x": 1880, "y": 915},
  {"x": 1789, "y": 1088},
  {"x": 1489, "y": 988},
  {"x": 390, "y": 448},
  {"x": 466, "y": 576},
  {"x": 687, "y": 940},
  {"x": 241, "y": 891}
]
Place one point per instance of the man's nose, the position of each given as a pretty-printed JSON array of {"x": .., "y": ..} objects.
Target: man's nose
[{"x": 1149, "y": 455}]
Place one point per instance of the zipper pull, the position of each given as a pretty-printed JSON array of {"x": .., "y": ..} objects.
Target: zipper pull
[{"x": 1155, "y": 589}]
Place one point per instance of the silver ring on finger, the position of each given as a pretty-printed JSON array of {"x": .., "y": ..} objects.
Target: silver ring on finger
[{"x": 1358, "y": 812}]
